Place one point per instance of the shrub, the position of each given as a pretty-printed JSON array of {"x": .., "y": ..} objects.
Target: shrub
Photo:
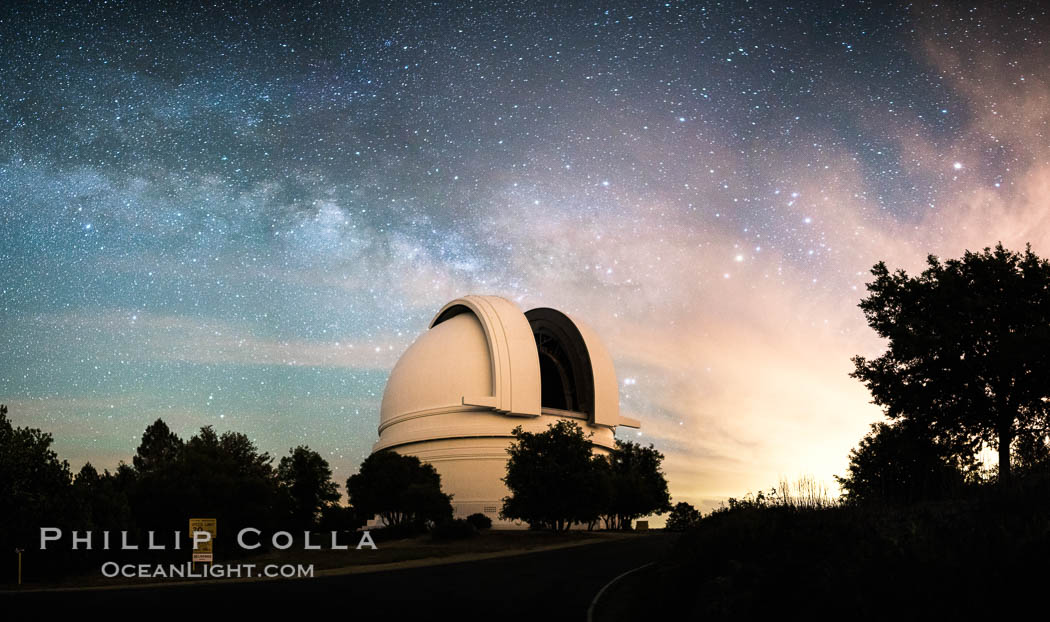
[
  {"x": 480, "y": 521},
  {"x": 683, "y": 516}
]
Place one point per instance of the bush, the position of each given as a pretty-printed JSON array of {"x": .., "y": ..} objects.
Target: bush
[
  {"x": 456, "y": 529},
  {"x": 962, "y": 555},
  {"x": 480, "y": 521},
  {"x": 683, "y": 516}
]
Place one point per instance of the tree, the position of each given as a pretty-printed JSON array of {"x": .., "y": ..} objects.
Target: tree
[
  {"x": 900, "y": 463},
  {"x": 102, "y": 502},
  {"x": 600, "y": 493},
  {"x": 160, "y": 447},
  {"x": 638, "y": 486},
  {"x": 154, "y": 488},
  {"x": 682, "y": 517},
  {"x": 969, "y": 348},
  {"x": 225, "y": 477},
  {"x": 1031, "y": 450},
  {"x": 402, "y": 490},
  {"x": 551, "y": 477},
  {"x": 307, "y": 479},
  {"x": 34, "y": 484}
]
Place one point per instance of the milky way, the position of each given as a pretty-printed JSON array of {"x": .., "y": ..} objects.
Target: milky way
[{"x": 241, "y": 217}]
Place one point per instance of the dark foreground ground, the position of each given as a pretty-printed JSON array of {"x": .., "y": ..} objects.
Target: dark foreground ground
[
  {"x": 982, "y": 552},
  {"x": 549, "y": 585}
]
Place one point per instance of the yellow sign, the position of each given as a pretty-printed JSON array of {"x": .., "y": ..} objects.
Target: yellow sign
[{"x": 202, "y": 544}]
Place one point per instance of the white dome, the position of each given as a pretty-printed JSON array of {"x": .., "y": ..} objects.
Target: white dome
[
  {"x": 483, "y": 368},
  {"x": 444, "y": 364}
]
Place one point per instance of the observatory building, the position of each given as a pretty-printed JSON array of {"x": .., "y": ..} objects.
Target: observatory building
[{"x": 482, "y": 368}]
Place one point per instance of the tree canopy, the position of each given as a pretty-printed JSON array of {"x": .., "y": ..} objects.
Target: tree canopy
[
  {"x": 683, "y": 516},
  {"x": 551, "y": 477},
  {"x": 34, "y": 483},
  {"x": 638, "y": 485},
  {"x": 555, "y": 480},
  {"x": 403, "y": 490},
  {"x": 101, "y": 500},
  {"x": 968, "y": 356},
  {"x": 900, "y": 463},
  {"x": 224, "y": 476},
  {"x": 159, "y": 448},
  {"x": 307, "y": 479}
]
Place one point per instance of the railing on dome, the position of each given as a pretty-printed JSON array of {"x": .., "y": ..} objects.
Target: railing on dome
[{"x": 565, "y": 414}]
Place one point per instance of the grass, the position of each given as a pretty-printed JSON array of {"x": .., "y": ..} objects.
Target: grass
[{"x": 806, "y": 493}]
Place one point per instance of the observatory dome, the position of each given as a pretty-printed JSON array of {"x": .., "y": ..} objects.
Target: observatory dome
[{"x": 483, "y": 368}]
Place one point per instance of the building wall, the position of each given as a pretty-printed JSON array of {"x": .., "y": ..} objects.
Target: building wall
[{"x": 472, "y": 467}]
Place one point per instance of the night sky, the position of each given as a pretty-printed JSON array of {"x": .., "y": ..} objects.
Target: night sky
[{"x": 240, "y": 217}]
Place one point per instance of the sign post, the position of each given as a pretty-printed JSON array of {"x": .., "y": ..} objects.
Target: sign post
[{"x": 202, "y": 546}]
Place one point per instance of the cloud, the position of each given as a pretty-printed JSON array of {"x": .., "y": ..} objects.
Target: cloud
[
  {"x": 742, "y": 356},
  {"x": 145, "y": 337}
]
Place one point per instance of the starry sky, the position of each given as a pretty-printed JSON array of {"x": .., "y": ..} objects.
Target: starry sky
[{"x": 240, "y": 215}]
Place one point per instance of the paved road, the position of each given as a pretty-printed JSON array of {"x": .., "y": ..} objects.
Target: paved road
[{"x": 549, "y": 585}]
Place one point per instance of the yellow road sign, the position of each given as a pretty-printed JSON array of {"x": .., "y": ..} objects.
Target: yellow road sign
[{"x": 202, "y": 547}]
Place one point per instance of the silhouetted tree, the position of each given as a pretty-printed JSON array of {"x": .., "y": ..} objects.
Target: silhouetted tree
[
  {"x": 401, "y": 489},
  {"x": 34, "y": 485},
  {"x": 209, "y": 475},
  {"x": 307, "y": 479},
  {"x": 103, "y": 503},
  {"x": 638, "y": 485},
  {"x": 900, "y": 463},
  {"x": 600, "y": 493},
  {"x": 1031, "y": 450},
  {"x": 154, "y": 484},
  {"x": 228, "y": 478},
  {"x": 969, "y": 347},
  {"x": 682, "y": 517},
  {"x": 159, "y": 448},
  {"x": 550, "y": 475}
]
